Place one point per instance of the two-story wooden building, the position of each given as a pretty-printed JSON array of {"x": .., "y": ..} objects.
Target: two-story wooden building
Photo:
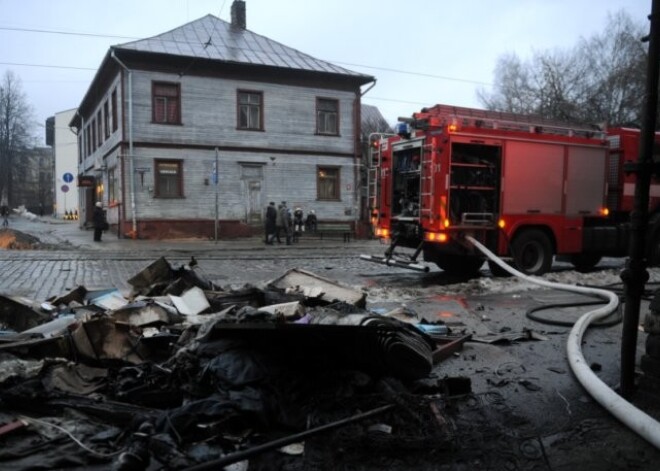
[{"x": 211, "y": 111}]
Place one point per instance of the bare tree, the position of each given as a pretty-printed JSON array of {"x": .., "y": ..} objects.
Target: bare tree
[
  {"x": 15, "y": 132},
  {"x": 600, "y": 80}
]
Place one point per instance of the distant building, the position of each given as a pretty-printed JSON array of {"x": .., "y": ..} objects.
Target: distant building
[
  {"x": 33, "y": 180},
  {"x": 286, "y": 127},
  {"x": 65, "y": 148}
]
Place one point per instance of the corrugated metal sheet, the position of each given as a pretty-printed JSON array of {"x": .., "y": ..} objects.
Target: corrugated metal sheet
[{"x": 212, "y": 38}]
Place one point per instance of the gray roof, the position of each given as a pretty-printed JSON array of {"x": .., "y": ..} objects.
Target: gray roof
[{"x": 212, "y": 38}]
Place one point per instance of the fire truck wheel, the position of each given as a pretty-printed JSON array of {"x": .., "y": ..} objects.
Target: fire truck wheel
[
  {"x": 459, "y": 265},
  {"x": 532, "y": 252},
  {"x": 585, "y": 261}
]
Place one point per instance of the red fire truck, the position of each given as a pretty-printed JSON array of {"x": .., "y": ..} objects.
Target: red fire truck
[{"x": 527, "y": 188}]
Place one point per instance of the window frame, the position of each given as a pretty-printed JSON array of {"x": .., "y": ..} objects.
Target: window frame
[
  {"x": 332, "y": 168},
  {"x": 99, "y": 126},
  {"x": 106, "y": 118},
  {"x": 94, "y": 141},
  {"x": 260, "y": 113},
  {"x": 319, "y": 121},
  {"x": 157, "y": 178},
  {"x": 113, "y": 100},
  {"x": 166, "y": 99}
]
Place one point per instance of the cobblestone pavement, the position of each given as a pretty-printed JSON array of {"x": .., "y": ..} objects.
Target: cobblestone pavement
[{"x": 73, "y": 259}]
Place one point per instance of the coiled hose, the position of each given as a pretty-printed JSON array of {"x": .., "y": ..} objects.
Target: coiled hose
[{"x": 638, "y": 421}]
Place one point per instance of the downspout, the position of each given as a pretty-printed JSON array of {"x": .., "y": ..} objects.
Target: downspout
[
  {"x": 357, "y": 164},
  {"x": 131, "y": 164}
]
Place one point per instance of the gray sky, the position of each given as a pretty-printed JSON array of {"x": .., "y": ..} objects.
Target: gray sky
[{"x": 448, "y": 48}]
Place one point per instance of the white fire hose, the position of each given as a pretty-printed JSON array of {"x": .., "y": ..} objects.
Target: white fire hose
[{"x": 640, "y": 422}]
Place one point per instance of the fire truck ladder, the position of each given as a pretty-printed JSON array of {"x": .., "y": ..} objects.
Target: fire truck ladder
[
  {"x": 373, "y": 175},
  {"x": 426, "y": 183}
]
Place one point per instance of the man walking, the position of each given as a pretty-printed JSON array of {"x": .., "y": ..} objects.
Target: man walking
[
  {"x": 4, "y": 211},
  {"x": 271, "y": 223},
  {"x": 98, "y": 219}
]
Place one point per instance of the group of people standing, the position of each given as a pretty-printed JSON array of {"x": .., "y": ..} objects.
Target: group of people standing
[{"x": 280, "y": 220}]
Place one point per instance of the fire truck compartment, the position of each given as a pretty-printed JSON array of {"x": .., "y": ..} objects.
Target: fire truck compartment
[
  {"x": 406, "y": 176},
  {"x": 474, "y": 185}
]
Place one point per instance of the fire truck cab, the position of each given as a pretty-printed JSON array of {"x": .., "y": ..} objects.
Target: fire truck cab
[{"x": 527, "y": 188}]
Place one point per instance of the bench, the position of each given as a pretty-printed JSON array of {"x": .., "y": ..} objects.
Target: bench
[{"x": 330, "y": 229}]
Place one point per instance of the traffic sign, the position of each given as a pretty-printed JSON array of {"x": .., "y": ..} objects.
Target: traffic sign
[
  {"x": 67, "y": 177},
  {"x": 65, "y": 188}
]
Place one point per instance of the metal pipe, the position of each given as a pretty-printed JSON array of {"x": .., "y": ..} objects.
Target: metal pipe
[
  {"x": 280, "y": 442},
  {"x": 635, "y": 275},
  {"x": 131, "y": 163}
]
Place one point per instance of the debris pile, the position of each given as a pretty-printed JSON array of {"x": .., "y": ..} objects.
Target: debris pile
[
  {"x": 182, "y": 373},
  {"x": 17, "y": 240}
]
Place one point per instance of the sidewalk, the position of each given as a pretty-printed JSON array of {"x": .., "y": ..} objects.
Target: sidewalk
[{"x": 71, "y": 233}]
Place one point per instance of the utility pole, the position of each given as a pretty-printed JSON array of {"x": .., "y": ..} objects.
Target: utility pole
[
  {"x": 635, "y": 275},
  {"x": 215, "y": 182}
]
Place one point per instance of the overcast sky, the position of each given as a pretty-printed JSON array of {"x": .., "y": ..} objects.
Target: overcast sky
[{"x": 422, "y": 52}]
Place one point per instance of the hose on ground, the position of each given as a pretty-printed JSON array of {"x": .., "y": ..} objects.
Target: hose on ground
[{"x": 638, "y": 421}]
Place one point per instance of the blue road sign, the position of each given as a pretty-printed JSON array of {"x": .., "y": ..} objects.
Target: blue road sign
[{"x": 67, "y": 177}]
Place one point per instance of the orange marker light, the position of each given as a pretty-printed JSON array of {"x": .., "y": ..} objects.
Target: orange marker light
[
  {"x": 501, "y": 223},
  {"x": 604, "y": 212},
  {"x": 435, "y": 237}
]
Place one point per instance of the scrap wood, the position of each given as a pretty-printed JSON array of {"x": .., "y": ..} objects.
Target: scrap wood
[
  {"x": 11, "y": 426},
  {"x": 448, "y": 346},
  {"x": 526, "y": 334}
]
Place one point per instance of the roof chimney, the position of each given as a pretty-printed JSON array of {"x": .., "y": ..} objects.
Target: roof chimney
[{"x": 238, "y": 14}]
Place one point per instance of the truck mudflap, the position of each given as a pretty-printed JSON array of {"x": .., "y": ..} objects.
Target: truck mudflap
[{"x": 392, "y": 262}]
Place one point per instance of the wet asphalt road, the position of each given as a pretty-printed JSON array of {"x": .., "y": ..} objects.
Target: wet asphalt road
[{"x": 527, "y": 410}]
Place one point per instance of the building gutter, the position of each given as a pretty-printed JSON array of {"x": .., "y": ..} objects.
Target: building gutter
[{"x": 131, "y": 164}]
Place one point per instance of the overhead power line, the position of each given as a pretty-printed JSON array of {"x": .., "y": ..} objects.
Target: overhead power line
[
  {"x": 19, "y": 64},
  {"x": 419, "y": 74},
  {"x": 99, "y": 35},
  {"x": 70, "y": 33}
]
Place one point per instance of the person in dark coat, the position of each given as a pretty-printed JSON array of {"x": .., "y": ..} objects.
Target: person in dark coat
[
  {"x": 287, "y": 222},
  {"x": 298, "y": 224},
  {"x": 98, "y": 219},
  {"x": 4, "y": 210},
  {"x": 310, "y": 222},
  {"x": 271, "y": 223}
]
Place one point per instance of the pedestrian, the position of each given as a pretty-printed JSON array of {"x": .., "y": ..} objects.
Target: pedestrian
[
  {"x": 285, "y": 215},
  {"x": 298, "y": 225},
  {"x": 4, "y": 210},
  {"x": 271, "y": 223},
  {"x": 98, "y": 219},
  {"x": 310, "y": 221},
  {"x": 279, "y": 223}
]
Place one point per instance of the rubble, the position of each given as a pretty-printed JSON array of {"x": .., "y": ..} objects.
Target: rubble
[{"x": 183, "y": 374}]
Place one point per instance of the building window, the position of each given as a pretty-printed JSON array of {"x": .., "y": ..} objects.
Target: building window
[
  {"x": 94, "y": 141},
  {"x": 88, "y": 141},
  {"x": 250, "y": 110},
  {"x": 327, "y": 116},
  {"x": 166, "y": 103},
  {"x": 112, "y": 185},
  {"x": 106, "y": 118},
  {"x": 327, "y": 183},
  {"x": 169, "y": 179},
  {"x": 99, "y": 124},
  {"x": 113, "y": 99}
]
